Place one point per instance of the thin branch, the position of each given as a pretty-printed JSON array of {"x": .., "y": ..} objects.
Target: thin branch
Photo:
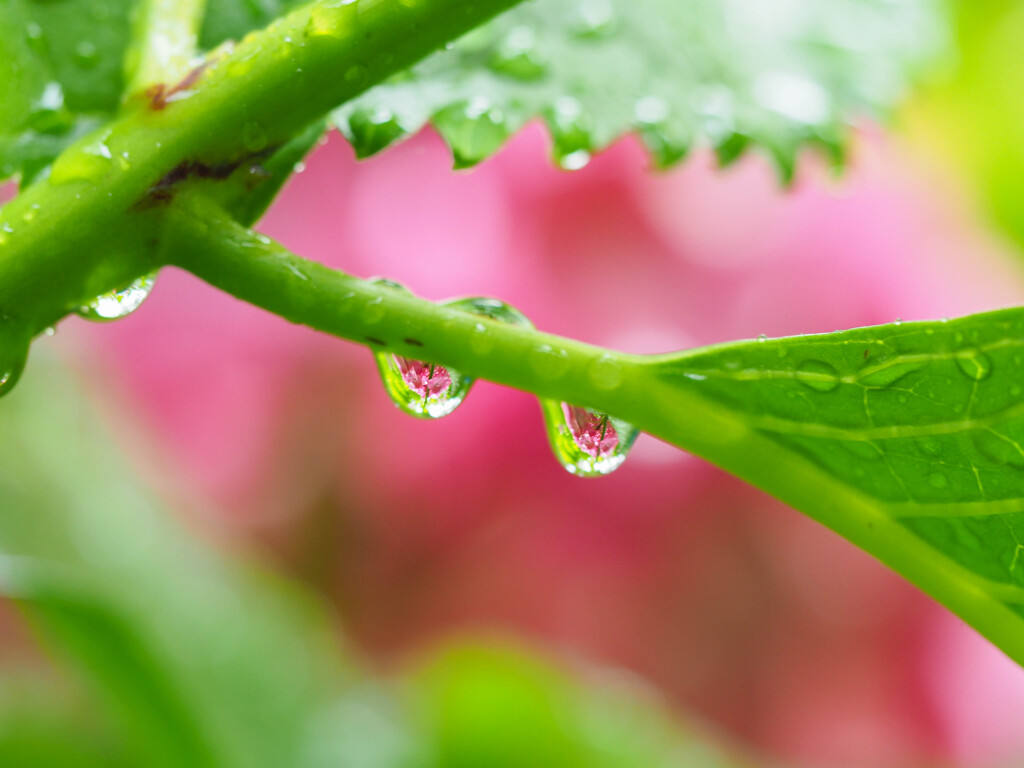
[
  {"x": 89, "y": 228},
  {"x": 163, "y": 45}
]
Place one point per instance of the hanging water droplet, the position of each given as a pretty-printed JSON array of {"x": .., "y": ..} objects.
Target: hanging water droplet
[
  {"x": 474, "y": 130},
  {"x": 974, "y": 365},
  {"x": 422, "y": 389},
  {"x": 571, "y": 132},
  {"x": 517, "y": 56},
  {"x": 372, "y": 129},
  {"x": 118, "y": 304},
  {"x": 586, "y": 442},
  {"x": 14, "y": 342},
  {"x": 818, "y": 375}
]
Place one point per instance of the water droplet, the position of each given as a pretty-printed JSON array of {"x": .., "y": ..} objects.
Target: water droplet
[
  {"x": 372, "y": 129},
  {"x": 938, "y": 480},
  {"x": 595, "y": 19},
  {"x": 762, "y": 338},
  {"x": 426, "y": 390},
  {"x": 586, "y": 442},
  {"x": 254, "y": 137},
  {"x": 86, "y": 55},
  {"x": 474, "y": 130},
  {"x": 998, "y": 448},
  {"x": 974, "y": 365},
  {"x": 14, "y": 343},
  {"x": 571, "y": 133},
  {"x": 818, "y": 375},
  {"x": 549, "y": 362},
  {"x": 495, "y": 309},
  {"x": 517, "y": 56},
  {"x": 606, "y": 372},
  {"x": 118, "y": 304},
  {"x": 85, "y": 163},
  {"x": 356, "y": 74}
]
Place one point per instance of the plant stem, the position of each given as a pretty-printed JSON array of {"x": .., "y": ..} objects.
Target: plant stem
[
  {"x": 255, "y": 269},
  {"x": 251, "y": 267},
  {"x": 90, "y": 228},
  {"x": 163, "y": 42}
]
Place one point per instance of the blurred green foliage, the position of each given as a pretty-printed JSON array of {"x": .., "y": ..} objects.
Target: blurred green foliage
[
  {"x": 975, "y": 115},
  {"x": 182, "y": 656}
]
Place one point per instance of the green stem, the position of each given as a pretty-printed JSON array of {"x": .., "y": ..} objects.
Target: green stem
[
  {"x": 88, "y": 228},
  {"x": 255, "y": 269},
  {"x": 163, "y": 42},
  {"x": 251, "y": 267}
]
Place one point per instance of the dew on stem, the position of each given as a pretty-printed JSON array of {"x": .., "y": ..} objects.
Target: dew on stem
[
  {"x": 430, "y": 390},
  {"x": 586, "y": 442},
  {"x": 14, "y": 344},
  {"x": 117, "y": 304}
]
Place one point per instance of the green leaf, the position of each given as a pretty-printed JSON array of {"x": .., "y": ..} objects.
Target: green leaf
[
  {"x": 61, "y": 74},
  {"x": 194, "y": 659},
  {"x": 504, "y": 708},
  {"x": 679, "y": 72},
  {"x": 907, "y": 438}
]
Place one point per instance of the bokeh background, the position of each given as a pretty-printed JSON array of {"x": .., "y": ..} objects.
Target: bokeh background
[{"x": 668, "y": 582}]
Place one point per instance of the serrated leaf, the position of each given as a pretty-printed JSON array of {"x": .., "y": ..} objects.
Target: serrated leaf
[
  {"x": 908, "y": 439},
  {"x": 729, "y": 74}
]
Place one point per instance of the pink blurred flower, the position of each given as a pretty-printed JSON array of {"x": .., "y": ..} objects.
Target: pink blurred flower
[{"x": 741, "y": 609}]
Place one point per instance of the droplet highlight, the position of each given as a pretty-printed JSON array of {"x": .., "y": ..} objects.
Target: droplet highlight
[
  {"x": 587, "y": 443},
  {"x": 117, "y": 304}
]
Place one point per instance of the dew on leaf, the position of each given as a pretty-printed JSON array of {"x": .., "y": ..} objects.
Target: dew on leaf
[
  {"x": 938, "y": 480},
  {"x": 517, "y": 56},
  {"x": 254, "y": 138},
  {"x": 594, "y": 19},
  {"x": 571, "y": 133},
  {"x": 474, "y": 130},
  {"x": 974, "y": 365},
  {"x": 117, "y": 304},
  {"x": 372, "y": 129},
  {"x": 86, "y": 56},
  {"x": 586, "y": 442},
  {"x": 998, "y": 448},
  {"x": 818, "y": 375}
]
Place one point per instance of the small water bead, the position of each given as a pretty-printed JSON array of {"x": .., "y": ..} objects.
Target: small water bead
[
  {"x": 517, "y": 56},
  {"x": 118, "y": 304},
  {"x": 818, "y": 375},
  {"x": 586, "y": 442},
  {"x": 595, "y": 19},
  {"x": 254, "y": 138},
  {"x": 937, "y": 480},
  {"x": 606, "y": 372},
  {"x": 975, "y": 365}
]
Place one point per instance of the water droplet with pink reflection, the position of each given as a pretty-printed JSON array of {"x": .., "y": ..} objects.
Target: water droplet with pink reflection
[{"x": 586, "y": 442}]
